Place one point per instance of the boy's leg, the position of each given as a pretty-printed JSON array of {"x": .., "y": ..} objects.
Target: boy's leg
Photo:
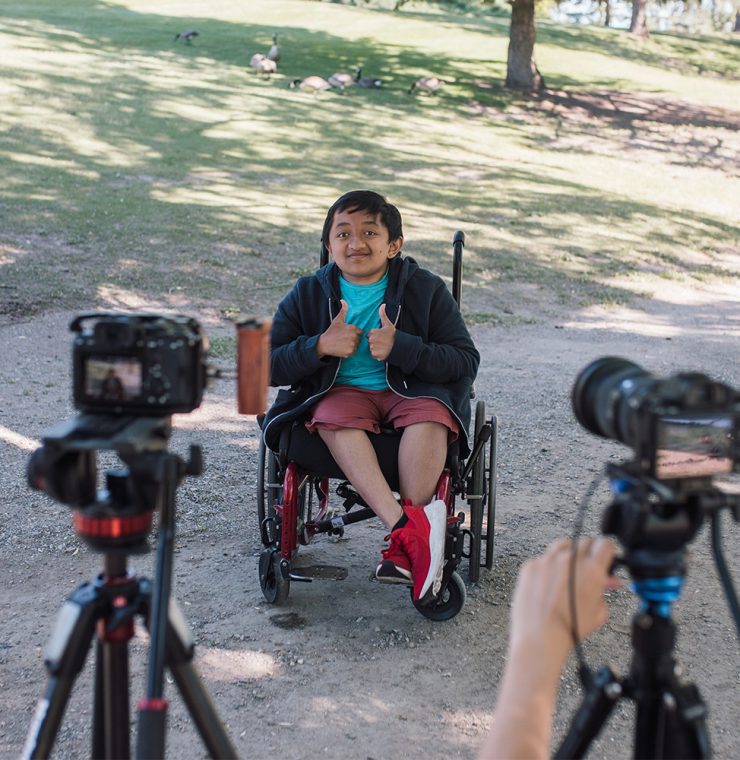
[
  {"x": 421, "y": 459},
  {"x": 416, "y": 549},
  {"x": 353, "y": 452}
]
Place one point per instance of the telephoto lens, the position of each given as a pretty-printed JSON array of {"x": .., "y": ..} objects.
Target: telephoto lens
[{"x": 606, "y": 398}]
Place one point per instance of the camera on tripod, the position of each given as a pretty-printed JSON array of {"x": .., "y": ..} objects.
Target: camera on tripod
[
  {"x": 131, "y": 372},
  {"x": 684, "y": 431}
]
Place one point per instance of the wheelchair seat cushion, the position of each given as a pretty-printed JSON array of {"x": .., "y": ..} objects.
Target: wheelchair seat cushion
[{"x": 311, "y": 455}]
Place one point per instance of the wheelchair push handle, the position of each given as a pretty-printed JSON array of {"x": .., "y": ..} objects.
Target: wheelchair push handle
[{"x": 458, "y": 243}]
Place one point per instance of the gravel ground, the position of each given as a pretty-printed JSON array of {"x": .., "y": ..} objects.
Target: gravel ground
[{"x": 350, "y": 669}]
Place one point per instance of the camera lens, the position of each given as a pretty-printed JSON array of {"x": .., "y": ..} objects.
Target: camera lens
[{"x": 606, "y": 397}]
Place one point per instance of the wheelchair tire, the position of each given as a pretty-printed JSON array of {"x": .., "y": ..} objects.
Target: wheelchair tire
[
  {"x": 477, "y": 499},
  {"x": 274, "y": 586},
  {"x": 269, "y": 490},
  {"x": 491, "y": 493},
  {"x": 450, "y": 601}
]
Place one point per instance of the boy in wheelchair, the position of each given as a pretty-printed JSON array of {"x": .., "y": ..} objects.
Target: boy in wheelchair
[{"x": 373, "y": 340}]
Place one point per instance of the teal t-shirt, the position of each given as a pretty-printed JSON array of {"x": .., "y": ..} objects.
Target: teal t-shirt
[{"x": 363, "y": 302}]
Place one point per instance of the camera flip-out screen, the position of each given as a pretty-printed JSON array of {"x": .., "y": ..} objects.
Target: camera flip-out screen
[
  {"x": 693, "y": 447},
  {"x": 112, "y": 378}
]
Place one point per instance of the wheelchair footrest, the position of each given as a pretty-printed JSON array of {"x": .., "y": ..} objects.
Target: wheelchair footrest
[{"x": 318, "y": 572}]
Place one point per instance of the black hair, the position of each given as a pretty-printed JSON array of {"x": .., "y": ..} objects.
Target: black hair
[{"x": 365, "y": 200}]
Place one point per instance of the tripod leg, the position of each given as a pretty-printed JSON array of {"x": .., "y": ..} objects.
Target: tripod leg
[
  {"x": 672, "y": 724},
  {"x": 112, "y": 734},
  {"x": 64, "y": 658},
  {"x": 601, "y": 696},
  {"x": 179, "y": 655}
]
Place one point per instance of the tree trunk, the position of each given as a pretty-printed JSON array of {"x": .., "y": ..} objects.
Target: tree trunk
[
  {"x": 638, "y": 27},
  {"x": 521, "y": 71},
  {"x": 737, "y": 21},
  {"x": 607, "y": 12}
]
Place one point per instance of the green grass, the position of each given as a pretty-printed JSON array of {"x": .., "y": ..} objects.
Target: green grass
[{"x": 136, "y": 170}]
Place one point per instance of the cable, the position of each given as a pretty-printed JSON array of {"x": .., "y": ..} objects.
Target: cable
[{"x": 583, "y": 670}]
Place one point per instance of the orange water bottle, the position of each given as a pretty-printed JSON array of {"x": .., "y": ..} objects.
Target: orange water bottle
[{"x": 252, "y": 365}]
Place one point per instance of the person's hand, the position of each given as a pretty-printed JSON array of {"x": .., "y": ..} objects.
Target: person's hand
[
  {"x": 541, "y": 607},
  {"x": 381, "y": 338},
  {"x": 340, "y": 338},
  {"x": 539, "y": 641}
]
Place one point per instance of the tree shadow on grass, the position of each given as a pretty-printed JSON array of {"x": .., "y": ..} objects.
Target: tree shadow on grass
[
  {"x": 174, "y": 172},
  {"x": 602, "y": 120}
]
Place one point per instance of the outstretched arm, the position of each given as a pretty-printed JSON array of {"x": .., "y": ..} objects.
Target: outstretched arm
[{"x": 540, "y": 640}]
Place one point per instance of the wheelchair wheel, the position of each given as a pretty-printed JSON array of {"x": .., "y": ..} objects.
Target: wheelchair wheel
[
  {"x": 477, "y": 498},
  {"x": 491, "y": 493},
  {"x": 274, "y": 586},
  {"x": 450, "y": 601},
  {"x": 269, "y": 489}
]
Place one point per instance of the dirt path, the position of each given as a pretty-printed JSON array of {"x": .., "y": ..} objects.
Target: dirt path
[{"x": 349, "y": 669}]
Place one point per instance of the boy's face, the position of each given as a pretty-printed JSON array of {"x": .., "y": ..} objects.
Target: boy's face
[{"x": 358, "y": 242}]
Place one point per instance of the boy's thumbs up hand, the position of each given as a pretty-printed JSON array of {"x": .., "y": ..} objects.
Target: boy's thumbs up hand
[
  {"x": 381, "y": 338},
  {"x": 342, "y": 315},
  {"x": 340, "y": 338}
]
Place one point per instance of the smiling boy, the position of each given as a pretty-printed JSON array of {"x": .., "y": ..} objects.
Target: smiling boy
[{"x": 373, "y": 339}]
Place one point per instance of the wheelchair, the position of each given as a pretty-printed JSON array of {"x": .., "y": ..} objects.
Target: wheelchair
[{"x": 293, "y": 489}]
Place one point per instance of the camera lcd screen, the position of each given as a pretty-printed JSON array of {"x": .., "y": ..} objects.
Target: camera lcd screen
[
  {"x": 694, "y": 446},
  {"x": 109, "y": 379}
]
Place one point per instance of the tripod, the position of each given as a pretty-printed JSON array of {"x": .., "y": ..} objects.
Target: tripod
[
  {"x": 670, "y": 715},
  {"x": 108, "y": 607},
  {"x": 116, "y": 522}
]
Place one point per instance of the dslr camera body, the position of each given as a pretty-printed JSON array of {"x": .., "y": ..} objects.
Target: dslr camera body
[
  {"x": 138, "y": 364},
  {"x": 684, "y": 430}
]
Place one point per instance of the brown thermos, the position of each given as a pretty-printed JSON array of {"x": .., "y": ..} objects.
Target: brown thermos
[{"x": 252, "y": 365}]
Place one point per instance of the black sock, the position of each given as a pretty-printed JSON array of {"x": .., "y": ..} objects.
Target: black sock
[{"x": 404, "y": 519}]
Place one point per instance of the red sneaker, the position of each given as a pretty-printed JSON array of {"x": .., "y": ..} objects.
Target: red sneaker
[
  {"x": 395, "y": 566},
  {"x": 423, "y": 542}
]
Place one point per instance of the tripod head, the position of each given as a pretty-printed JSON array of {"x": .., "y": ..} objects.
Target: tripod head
[
  {"x": 117, "y": 517},
  {"x": 655, "y": 520}
]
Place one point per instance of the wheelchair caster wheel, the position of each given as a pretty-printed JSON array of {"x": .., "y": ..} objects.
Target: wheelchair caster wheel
[
  {"x": 448, "y": 603},
  {"x": 275, "y": 586}
]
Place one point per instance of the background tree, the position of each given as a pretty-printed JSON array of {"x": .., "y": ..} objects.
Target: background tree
[
  {"x": 521, "y": 71},
  {"x": 638, "y": 25},
  {"x": 607, "y": 11}
]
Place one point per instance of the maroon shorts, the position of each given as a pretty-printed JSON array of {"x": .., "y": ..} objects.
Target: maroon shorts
[{"x": 345, "y": 406}]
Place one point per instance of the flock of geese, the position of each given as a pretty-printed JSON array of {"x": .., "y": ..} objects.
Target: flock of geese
[{"x": 266, "y": 64}]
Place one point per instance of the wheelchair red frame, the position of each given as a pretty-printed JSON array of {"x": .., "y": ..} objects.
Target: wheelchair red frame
[{"x": 289, "y": 491}]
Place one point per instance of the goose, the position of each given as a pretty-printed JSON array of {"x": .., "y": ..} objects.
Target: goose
[
  {"x": 188, "y": 36},
  {"x": 368, "y": 82},
  {"x": 312, "y": 84},
  {"x": 427, "y": 84},
  {"x": 274, "y": 52},
  {"x": 266, "y": 66},
  {"x": 340, "y": 80},
  {"x": 256, "y": 59}
]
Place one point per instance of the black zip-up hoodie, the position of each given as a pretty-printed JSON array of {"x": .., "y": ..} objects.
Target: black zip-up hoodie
[{"x": 433, "y": 354}]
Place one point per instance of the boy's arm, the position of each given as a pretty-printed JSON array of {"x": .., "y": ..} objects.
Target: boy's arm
[
  {"x": 293, "y": 354},
  {"x": 448, "y": 355}
]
